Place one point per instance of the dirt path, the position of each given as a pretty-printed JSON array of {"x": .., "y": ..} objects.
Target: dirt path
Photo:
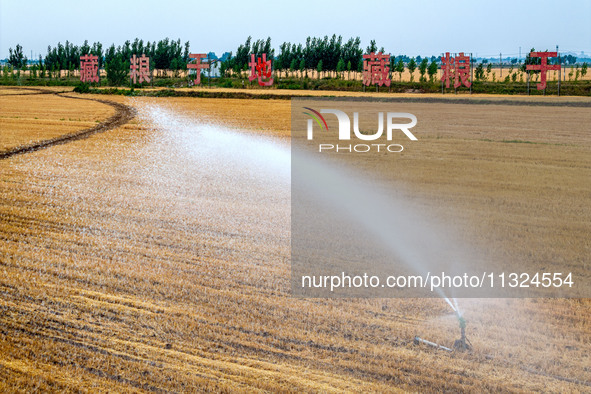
[{"x": 123, "y": 115}]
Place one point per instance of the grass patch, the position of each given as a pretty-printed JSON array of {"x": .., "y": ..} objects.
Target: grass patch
[
  {"x": 568, "y": 88},
  {"x": 523, "y": 142},
  {"x": 518, "y": 142}
]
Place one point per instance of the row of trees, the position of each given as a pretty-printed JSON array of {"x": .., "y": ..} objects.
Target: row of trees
[
  {"x": 324, "y": 54},
  {"x": 67, "y": 57},
  {"x": 169, "y": 54},
  {"x": 329, "y": 51},
  {"x": 327, "y": 54},
  {"x": 165, "y": 54}
]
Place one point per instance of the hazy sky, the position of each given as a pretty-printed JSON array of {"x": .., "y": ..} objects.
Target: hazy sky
[{"x": 413, "y": 27}]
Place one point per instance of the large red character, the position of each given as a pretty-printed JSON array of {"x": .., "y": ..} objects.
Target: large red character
[
  {"x": 462, "y": 72},
  {"x": 543, "y": 67},
  {"x": 376, "y": 69},
  {"x": 139, "y": 68},
  {"x": 89, "y": 68},
  {"x": 457, "y": 68},
  {"x": 260, "y": 69},
  {"x": 197, "y": 65},
  {"x": 448, "y": 67}
]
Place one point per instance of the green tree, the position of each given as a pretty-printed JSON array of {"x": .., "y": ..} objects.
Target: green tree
[
  {"x": 423, "y": 69},
  {"x": 349, "y": 69},
  {"x": 223, "y": 68},
  {"x": 292, "y": 66},
  {"x": 432, "y": 70},
  {"x": 391, "y": 66},
  {"x": 41, "y": 67},
  {"x": 5, "y": 73},
  {"x": 97, "y": 50},
  {"x": 16, "y": 58},
  {"x": 340, "y": 67},
  {"x": 117, "y": 70},
  {"x": 584, "y": 70},
  {"x": 412, "y": 66},
  {"x": 303, "y": 67},
  {"x": 277, "y": 65},
  {"x": 400, "y": 68},
  {"x": 84, "y": 49},
  {"x": 479, "y": 72},
  {"x": 319, "y": 69},
  {"x": 186, "y": 54},
  {"x": 175, "y": 64}
]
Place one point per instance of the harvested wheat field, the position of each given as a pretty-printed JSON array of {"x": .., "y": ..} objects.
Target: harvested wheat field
[
  {"x": 154, "y": 255},
  {"x": 36, "y": 116}
]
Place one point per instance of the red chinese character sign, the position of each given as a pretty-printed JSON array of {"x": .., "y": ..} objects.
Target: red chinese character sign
[
  {"x": 139, "y": 68},
  {"x": 375, "y": 69},
  {"x": 197, "y": 65},
  {"x": 543, "y": 67},
  {"x": 89, "y": 68},
  {"x": 261, "y": 70},
  {"x": 456, "y": 69}
]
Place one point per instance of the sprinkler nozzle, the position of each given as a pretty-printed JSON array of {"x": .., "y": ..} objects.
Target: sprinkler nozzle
[{"x": 462, "y": 322}]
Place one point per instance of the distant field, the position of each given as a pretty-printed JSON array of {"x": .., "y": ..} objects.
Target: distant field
[{"x": 125, "y": 269}]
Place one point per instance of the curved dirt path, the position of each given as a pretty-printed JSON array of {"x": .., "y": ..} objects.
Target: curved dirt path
[{"x": 123, "y": 115}]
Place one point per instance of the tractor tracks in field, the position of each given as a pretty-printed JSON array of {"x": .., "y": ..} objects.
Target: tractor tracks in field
[{"x": 123, "y": 115}]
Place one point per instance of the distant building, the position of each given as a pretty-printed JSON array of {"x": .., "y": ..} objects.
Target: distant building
[
  {"x": 215, "y": 62},
  {"x": 225, "y": 56}
]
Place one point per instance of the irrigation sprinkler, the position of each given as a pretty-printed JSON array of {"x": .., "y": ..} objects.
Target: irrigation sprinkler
[{"x": 463, "y": 343}]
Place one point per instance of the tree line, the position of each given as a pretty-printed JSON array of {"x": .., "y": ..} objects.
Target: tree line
[{"x": 323, "y": 54}]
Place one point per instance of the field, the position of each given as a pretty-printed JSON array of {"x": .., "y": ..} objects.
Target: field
[{"x": 129, "y": 264}]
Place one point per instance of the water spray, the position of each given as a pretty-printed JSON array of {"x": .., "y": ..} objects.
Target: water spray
[{"x": 222, "y": 152}]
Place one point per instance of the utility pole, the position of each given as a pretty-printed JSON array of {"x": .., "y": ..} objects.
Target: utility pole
[
  {"x": 441, "y": 74},
  {"x": 455, "y": 89},
  {"x": 559, "y": 70},
  {"x": 471, "y": 73}
]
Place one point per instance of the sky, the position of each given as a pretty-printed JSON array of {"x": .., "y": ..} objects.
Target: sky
[{"x": 412, "y": 27}]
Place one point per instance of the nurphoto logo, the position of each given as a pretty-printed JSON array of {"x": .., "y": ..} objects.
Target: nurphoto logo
[{"x": 344, "y": 130}]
